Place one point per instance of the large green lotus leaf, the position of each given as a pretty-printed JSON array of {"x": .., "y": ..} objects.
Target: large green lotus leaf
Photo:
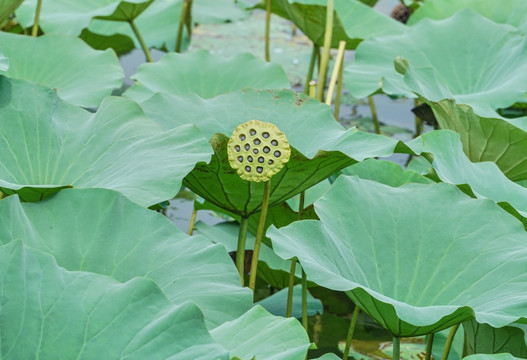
[
  {"x": 354, "y": 20},
  {"x": 101, "y": 231},
  {"x": 278, "y": 338},
  {"x": 388, "y": 172},
  {"x": 504, "y": 356},
  {"x": 512, "y": 12},
  {"x": 485, "y": 180},
  {"x": 7, "y": 7},
  {"x": 48, "y": 312},
  {"x": 492, "y": 73},
  {"x": 158, "y": 26},
  {"x": 70, "y": 17},
  {"x": 47, "y": 143},
  {"x": 217, "y": 11},
  {"x": 206, "y": 75},
  {"x": 417, "y": 258},
  {"x": 4, "y": 61},
  {"x": 483, "y": 338},
  {"x": 318, "y": 150},
  {"x": 81, "y": 75},
  {"x": 276, "y": 303}
]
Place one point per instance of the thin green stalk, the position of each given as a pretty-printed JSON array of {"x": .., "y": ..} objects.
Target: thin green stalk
[
  {"x": 335, "y": 73},
  {"x": 182, "y": 21},
  {"x": 311, "y": 68},
  {"x": 327, "y": 47},
  {"x": 267, "y": 30},
  {"x": 374, "y": 115},
  {"x": 429, "y": 344},
  {"x": 189, "y": 19},
  {"x": 240, "y": 251},
  {"x": 396, "y": 348},
  {"x": 34, "y": 30},
  {"x": 289, "y": 305},
  {"x": 304, "y": 300},
  {"x": 192, "y": 220},
  {"x": 259, "y": 234},
  {"x": 339, "y": 92},
  {"x": 141, "y": 41},
  {"x": 449, "y": 340},
  {"x": 418, "y": 121},
  {"x": 350, "y": 332}
]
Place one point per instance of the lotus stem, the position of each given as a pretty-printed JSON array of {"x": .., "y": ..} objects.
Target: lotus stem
[
  {"x": 192, "y": 220},
  {"x": 293, "y": 268},
  {"x": 335, "y": 73},
  {"x": 312, "y": 88},
  {"x": 259, "y": 234},
  {"x": 240, "y": 251},
  {"x": 449, "y": 340},
  {"x": 304, "y": 300},
  {"x": 339, "y": 93},
  {"x": 141, "y": 41},
  {"x": 429, "y": 344},
  {"x": 350, "y": 332},
  {"x": 374, "y": 115},
  {"x": 396, "y": 355},
  {"x": 289, "y": 305},
  {"x": 327, "y": 47},
  {"x": 182, "y": 21},
  {"x": 418, "y": 121},
  {"x": 314, "y": 53},
  {"x": 189, "y": 18},
  {"x": 34, "y": 30},
  {"x": 267, "y": 30}
]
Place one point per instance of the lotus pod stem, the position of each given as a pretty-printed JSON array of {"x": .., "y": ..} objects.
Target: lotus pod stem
[
  {"x": 429, "y": 344},
  {"x": 449, "y": 340},
  {"x": 267, "y": 30},
  {"x": 240, "y": 251},
  {"x": 396, "y": 352},
  {"x": 327, "y": 47},
  {"x": 258, "y": 150},
  {"x": 351, "y": 330},
  {"x": 34, "y": 29}
]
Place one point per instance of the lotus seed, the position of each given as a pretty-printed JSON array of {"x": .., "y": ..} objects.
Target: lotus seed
[
  {"x": 237, "y": 148},
  {"x": 274, "y": 142},
  {"x": 270, "y": 162},
  {"x": 277, "y": 153},
  {"x": 266, "y": 149},
  {"x": 255, "y": 151},
  {"x": 247, "y": 147},
  {"x": 252, "y": 132},
  {"x": 265, "y": 135},
  {"x": 240, "y": 158},
  {"x": 259, "y": 169},
  {"x": 261, "y": 159},
  {"x": 249, "y": 158},
  {"x": 257, "y": 142},
  {"x": 248, "y": 168},
  {"x": 242, "y": 137}
]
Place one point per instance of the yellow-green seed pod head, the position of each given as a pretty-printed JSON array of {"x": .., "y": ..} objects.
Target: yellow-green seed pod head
[{"x": 257, "y": 150}]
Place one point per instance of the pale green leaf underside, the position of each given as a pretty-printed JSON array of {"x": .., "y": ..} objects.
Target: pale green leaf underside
[
  {"x": 466, "y": 57},
  {"x": 81, "y": 75},
  {"x": 51, "y": 313},
  {"x": 47, "y": 143},
  {"x": 102, "y": 232},
  {"x": 206, "y": 75},
  {"x": 70, "y": 17},
  {"x": 449, "y": 257},
  {"x": 278, "y": 338}
]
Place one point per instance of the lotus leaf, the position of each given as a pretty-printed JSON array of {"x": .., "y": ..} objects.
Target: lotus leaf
[
  {"x": 491, "y": 357},
  {"x": 102, "y": 232},
  {"x": 7, "y": 7},
  {"x": 84, "y": 77},
  {"x": 278, "y": 338},
  {"x": 206, "y": 75},
  {"x": 354, "y": 21},
  {"x": 52, "y": 313},
  {"x": 70, "y": 17},
  {"x": 47, "y": 143},
  {"x": 318, "y": 150},
  {"x": 491, "y": 75},
  {"x": 4, "y": 62},
  {"x": 388, "y": 172},
  {"x": 417, "y": 258},
  {"x": 482, "y": 338},
  {"x": 276, "y": 303},
  {"x": 157, "y": 24},
  {"x": 452, "y": 166},
  {"x": 512, "y": 12}
]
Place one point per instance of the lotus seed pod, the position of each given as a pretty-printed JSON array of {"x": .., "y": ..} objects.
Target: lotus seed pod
[{"x": 257, "y": 150}]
